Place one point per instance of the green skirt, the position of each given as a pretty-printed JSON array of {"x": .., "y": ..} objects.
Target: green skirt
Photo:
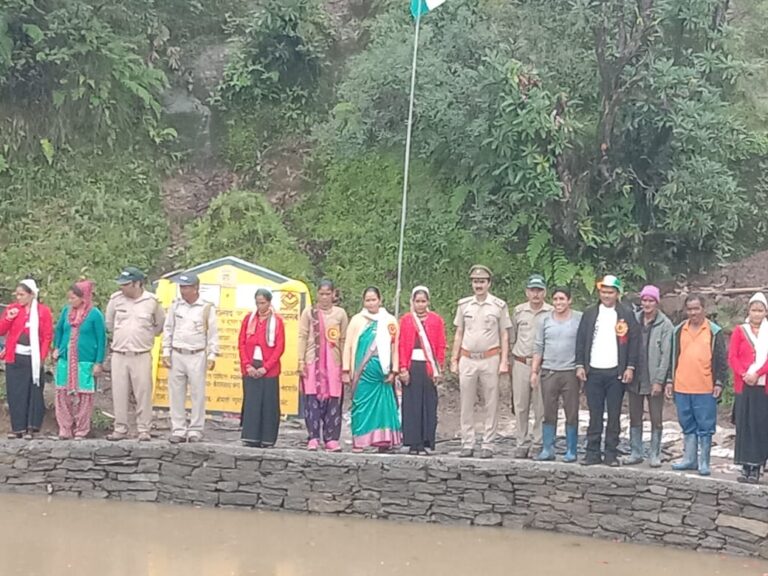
[
  {"x": 375, "y": 418},
  {"x": 85, "y": 380}
]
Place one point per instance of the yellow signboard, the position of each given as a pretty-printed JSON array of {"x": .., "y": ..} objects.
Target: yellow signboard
[{"x": 230, "y": 284}]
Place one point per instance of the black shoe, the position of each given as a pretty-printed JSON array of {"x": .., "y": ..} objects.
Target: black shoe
[
  {"x": 612, "y": 461},
  {"x": 745, "y": 474},
  {"x": 591, "y": 460},
  {"x": 251, "y": 444}
]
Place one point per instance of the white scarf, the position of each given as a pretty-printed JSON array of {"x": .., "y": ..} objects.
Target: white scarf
[
  {"x": 34, "y": 331},
  {"x": 383, "y": 337},
  {"x": 271, "y": 326},
  {"x": 760, "y": 342},
  {"x": 425, "y": 343}
]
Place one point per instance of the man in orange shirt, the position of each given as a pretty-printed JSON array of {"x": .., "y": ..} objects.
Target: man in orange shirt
[{"x": 699, "y": 373}]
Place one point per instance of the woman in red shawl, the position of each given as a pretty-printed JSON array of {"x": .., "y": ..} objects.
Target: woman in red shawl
[
  {"x": 748, "y": 358},
  {"x": 80, "y": 345},
  {"x": 261, "y": 344},
  {"x": 29, "y": 329},
  {"x": 422, "y": 355}
]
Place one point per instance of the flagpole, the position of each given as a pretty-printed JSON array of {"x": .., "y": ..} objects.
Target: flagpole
[{"x": 406, "y": 169}]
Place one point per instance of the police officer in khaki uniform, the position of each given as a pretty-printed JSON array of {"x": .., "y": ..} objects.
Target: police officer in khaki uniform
[
  {"x": 525, "y": 318},
  {"x": 134, "y": 319},
  {"x": 190, "y": 347},
  {"x": 480, "y": 354}
]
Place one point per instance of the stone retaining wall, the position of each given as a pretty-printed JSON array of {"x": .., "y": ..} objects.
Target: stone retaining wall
[{"x": 635, "y": 505}]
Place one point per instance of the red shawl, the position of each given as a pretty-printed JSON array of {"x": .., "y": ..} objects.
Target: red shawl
[
  {"x": 741, "y": 355},
  {"x": 435, "y": 329}
]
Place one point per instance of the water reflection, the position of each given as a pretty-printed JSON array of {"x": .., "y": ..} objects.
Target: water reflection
[{"x": 60, "y": 536}]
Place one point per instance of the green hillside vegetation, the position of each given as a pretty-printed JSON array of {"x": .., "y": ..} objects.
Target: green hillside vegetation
[{"x": 565, "y": 137}]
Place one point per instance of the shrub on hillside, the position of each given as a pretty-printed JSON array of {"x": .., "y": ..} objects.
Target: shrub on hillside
[{"x": 243, "y": 224}]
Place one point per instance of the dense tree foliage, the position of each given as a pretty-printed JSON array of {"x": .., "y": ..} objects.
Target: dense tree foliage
[
  {"x": 568, "y": 137},
  {"x": 608, "y": 134}
]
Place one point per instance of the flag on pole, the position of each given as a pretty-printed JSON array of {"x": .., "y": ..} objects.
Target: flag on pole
[{"x": 421, "y": 7}]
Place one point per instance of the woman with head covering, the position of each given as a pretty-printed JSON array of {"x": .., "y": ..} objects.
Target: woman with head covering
[
  {"x": 748, "y": 358},
  {"x": 422, "y": 355},
  {"x": 261, "y": 344},
  {"x": 369, "y": 363},
  {"x": 80, "y": 343},
  {"x": 29, "y": 329},
  {"x": 321, "y": 340}
]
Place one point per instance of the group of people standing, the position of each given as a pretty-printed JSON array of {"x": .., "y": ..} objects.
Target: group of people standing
[
  {"x": 607, "y": 351},
  {"x": 554, "y": 354},
  {"x": 368, "y": 353}
]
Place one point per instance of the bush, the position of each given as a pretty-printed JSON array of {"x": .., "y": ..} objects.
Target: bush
[
  {"x": 66, "y": 76},
  {"x": 282, "y": 53},
  {"x": 352, "y": 225},
  {"x": 82, "y": 217},
  {"x": 243, "y": 224}
]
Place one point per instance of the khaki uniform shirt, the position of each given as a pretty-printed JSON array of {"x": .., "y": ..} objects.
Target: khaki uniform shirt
[
  {"x": 523, "y": 332},
  {"x": 336, "y": 322},
  {"x": 187, "y": 328},
  {"x": 134, "y": 324},
  {"x": 482, "y": 322}
]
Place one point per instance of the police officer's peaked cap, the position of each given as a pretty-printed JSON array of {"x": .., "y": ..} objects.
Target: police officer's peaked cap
[{"x": 480, "y": 271}]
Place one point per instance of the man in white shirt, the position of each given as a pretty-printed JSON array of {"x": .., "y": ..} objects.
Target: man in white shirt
[{"x": 607, "y": 352}]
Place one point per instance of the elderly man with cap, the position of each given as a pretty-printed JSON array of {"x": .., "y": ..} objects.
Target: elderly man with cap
[
  {"x": 480, "y": 354},
  {"x": 190, "y": 347},
  {"x": 525, "y": 318},
  {"x": 607, "y": 354},
  {"x": 134, "y": 319},
  {"x": 647, "y": 387}
]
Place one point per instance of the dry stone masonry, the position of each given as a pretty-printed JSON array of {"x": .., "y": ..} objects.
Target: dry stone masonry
[{"x": 633, "y": 505}]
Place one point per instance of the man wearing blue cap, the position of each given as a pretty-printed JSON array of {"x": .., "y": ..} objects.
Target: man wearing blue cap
[
  {"x": 522, "y": 336},
  {"x": 190, "y": 347}
]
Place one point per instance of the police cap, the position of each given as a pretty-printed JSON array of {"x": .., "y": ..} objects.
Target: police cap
[{"x": 480, "y": 271}]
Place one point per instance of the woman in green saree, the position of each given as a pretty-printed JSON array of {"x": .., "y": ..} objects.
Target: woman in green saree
[{"x": 369, "y": 361}]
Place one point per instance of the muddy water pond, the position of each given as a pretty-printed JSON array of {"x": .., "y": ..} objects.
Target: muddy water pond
[{"x": 60, "y": 536}]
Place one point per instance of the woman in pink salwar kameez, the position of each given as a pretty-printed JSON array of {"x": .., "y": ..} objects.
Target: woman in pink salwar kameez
[{"x": 321, "y": 341}]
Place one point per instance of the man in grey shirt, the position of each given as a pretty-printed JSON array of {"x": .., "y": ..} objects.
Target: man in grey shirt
[{"x": 554, "y": 366}]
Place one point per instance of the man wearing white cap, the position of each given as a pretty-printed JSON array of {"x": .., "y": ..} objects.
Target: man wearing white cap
[
  {"x": 190, "y": 347},
  {"x": 607, "y": 353}
]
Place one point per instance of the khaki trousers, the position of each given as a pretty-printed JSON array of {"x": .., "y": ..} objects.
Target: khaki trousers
[
  {"x": 526, "y": 398},
  {"x": 132, "y": 374},
  {"x": 560, "y": 384},
  {"x": 486, "y": 372},
  {"x": 187, "y": 372}
]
